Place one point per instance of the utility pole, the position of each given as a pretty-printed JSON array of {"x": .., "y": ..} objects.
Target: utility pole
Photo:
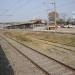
[
  {"x": 55, "y": 13},
  {"x": 54, "y": 4}
]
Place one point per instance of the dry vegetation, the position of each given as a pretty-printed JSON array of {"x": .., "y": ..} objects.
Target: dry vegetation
[
  {"x": 40, "y": 41},
  {"x": 67, "y": 39}
]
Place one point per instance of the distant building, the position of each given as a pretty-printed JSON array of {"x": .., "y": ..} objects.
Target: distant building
[{"x": 28, "y": 25}]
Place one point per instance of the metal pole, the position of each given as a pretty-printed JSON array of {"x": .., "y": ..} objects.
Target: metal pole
[
  {"x": 55, "y": 14},
  {"x": 54, "y": 3}
]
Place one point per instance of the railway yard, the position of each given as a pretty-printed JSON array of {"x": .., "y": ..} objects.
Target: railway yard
[
  {"x": 37, "y": 37},
  {"x": 39, "y": 53}
]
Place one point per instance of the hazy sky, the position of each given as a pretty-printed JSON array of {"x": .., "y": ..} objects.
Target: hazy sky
[{"x": 20, "y": 10}]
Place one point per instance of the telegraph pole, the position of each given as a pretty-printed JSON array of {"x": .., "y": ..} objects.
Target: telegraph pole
[
  {"x": 55, "y": 14},
  {"x": 54, "y": 4}
]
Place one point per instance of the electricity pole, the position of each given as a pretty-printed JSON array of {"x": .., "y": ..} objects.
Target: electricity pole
[
  {"x": 55, "y": 13},
  {"x": 54, "y": 4}
]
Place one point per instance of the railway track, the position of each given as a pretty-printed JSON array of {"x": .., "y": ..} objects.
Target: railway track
[
  {"x": 21, "y": 64},
  {"x": 49, "y": 65},
  {"x": 62, "y": 53}
]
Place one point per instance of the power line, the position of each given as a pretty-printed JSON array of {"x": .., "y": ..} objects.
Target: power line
[
  {"x": 9, "y": 10},
  {"x": 66, "y": 4},
  {"x": 6, "y": 11},
  {"x": 21, "y": 6}
]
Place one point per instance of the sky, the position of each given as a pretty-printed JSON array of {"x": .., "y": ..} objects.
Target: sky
[{"x": 22, "y": 10}]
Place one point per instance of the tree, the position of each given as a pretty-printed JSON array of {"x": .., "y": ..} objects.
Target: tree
[
  {"x": 51, "y": 16},
  {"x": 69, "y": 21},
  {"x": 60, "y": 21}
]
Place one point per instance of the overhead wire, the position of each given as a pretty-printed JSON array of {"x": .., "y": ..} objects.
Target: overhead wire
[
  {"x": 19, "y": 5},
  {"x": 24, "y": 4},
  {"x": 11, "y": 10},
  {"x": 66, "y": 5}
]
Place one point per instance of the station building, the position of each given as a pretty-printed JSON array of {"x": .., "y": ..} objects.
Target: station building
[{"x": 28, "y": 25}]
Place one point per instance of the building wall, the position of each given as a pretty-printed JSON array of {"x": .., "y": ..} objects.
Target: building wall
[{"x": 30, "y": 25}]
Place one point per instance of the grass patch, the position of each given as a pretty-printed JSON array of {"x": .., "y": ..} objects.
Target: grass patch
[{"x": 67, "y": 39}]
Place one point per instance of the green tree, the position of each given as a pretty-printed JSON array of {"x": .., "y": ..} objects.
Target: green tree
[{"x": 60, "y": 21}]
